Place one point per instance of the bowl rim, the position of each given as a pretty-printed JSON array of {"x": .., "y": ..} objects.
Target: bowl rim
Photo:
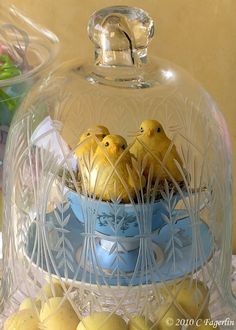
[{"x": 126, "y": 205}]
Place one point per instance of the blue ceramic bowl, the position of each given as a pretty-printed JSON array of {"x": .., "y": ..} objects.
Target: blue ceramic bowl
[{"x": 122, "y": 220}]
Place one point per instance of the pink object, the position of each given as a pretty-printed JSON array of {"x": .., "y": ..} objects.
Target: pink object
[{"x": 3, "y": 49}]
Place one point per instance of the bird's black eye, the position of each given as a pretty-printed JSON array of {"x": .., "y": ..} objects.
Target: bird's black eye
[
  {"x": 88, "y": 134},
  {"x": 103, "y": 135},
  {"x": 106, "y": 144},
  {"x": 158, "y": 130},
  {"x": 123, "y": 146},
  {"x": 141, "y": 129}
]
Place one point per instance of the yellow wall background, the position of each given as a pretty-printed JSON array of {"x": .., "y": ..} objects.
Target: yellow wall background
[{"x": 199, "y": 35}]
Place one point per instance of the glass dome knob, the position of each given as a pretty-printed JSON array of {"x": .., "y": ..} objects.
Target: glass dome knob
[{"x": 121, "y": 35}]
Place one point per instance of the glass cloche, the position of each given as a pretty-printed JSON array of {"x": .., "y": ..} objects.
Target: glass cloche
[
  {"x": 118, "y": 209},
  {"x": 25, "y": 51}
]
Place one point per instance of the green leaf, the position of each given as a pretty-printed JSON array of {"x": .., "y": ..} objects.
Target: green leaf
[
  {"x": 9, "y": 102},
  {"x": 8, "y": 69}
]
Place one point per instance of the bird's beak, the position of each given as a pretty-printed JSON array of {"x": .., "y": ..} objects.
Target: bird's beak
[
  {"x": 150, "y": 132},
  {"x": 114, "y": 149}
]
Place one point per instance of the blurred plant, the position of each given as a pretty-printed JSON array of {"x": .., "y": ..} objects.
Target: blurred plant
[{"x": 8, "y": 70}]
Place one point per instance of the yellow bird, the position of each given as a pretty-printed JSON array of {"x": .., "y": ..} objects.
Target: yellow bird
[
  {"x": 88, "y": 140},
  {"x": 87, "y": 146},
  {"x": 112, "y": 176},
  {"x": 153, "y": 145}
]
